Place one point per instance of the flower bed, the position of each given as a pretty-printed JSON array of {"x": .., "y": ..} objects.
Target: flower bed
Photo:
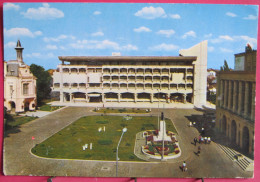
[{"x": 155, "y": 149}]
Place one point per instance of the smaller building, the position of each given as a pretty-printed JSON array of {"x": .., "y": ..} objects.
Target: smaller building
[
  {"x": 235, "y": 111},
  {"x": 211, "y": 81},
  {"x": 19, "y": 84}
]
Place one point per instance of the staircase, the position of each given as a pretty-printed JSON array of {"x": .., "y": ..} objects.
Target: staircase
[{"x": 244, "y": 162}]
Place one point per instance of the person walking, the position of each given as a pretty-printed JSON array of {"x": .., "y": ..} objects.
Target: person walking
[
  {"x": 195, "y": 140},
  {"x": 199, "y": 149},
  {"x": 184, "y": 168},
  {"x": 199, "y": 139}
]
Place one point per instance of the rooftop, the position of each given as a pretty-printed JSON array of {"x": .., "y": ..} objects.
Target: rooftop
[{"x": 127, "y": 58}]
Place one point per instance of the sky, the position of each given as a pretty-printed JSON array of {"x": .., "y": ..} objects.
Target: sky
[{"x": 49, "y": 30}]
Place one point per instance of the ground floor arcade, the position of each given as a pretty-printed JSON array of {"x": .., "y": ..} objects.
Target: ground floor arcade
[
  {"x": 97, "y": 97},
  {"x": 239, "y": 130}
]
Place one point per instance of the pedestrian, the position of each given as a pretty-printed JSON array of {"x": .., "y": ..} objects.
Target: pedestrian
[
  {"x": 205, "y": 140},
  {"x": 199, "y": 139},
  {"x": 209, "y": 140},
  {"x": 202, "y": 131},
  {"x": 195, "y": 140},
  {"x": 184, "y": 168},
  {"x": 190, "y": 124},
  {"x": 199, "y": 149},
  {"x": 202, "y": 140}
]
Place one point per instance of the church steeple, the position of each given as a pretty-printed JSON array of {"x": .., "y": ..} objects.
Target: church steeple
[{"x": 19, "y": 52}]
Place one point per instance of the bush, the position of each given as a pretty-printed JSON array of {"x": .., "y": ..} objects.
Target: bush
[
  {"x": 102, "y": 122},
  {"x": 131, "y": 156},
  {"x": 88, "y": 155},
  {"x": 128, "y": 144},
  {"x": 123, "y": 125},
  {"x": 105, "y": 142}
]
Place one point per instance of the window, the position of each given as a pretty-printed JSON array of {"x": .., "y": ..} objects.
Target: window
[{"x": 25, "y": 88}]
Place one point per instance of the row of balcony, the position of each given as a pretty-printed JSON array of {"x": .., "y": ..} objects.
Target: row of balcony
[{"x": 127, "y": 71}]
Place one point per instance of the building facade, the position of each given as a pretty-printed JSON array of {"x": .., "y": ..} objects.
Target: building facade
[
  {"x": 137, "y": 79},
  {"x": 235, "y": 111},
  {"x": 19, "y": 84}
]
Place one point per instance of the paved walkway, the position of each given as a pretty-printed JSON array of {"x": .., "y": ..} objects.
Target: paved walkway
[{"x": 19, "y": 161}]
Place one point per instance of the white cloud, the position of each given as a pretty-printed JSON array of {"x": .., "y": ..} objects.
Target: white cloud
[
  {"x": 34, "y": 55},
  {"x": 164, "y": 47},
  {"x": 226, "y": 37},
  {"x": 249, "y": 40},
  {"x": 208, "y": 35},
  {"x": 97, "y": 34},
  {"x": 16, "y": 32},
  {"x": 97, "y": 13},
  {"x": 130, "y": 47},
  {"x": 142, "y": 29},
  {"x": 43, "y": 13},
  {"x": 51, "y": 47},
  {"x": 166, "y": 33},
  {"x": 225, "y": 50},
  {"x": 189, "y": 34},
  {"x": 221, "y": 38},
  {"x": 231, "y": 14},
  {"x": 8, "y": 6},
  {"x": 10, "y": 45},
  {"x": 250, "y": 17},
  {"x": 211, "y": 49},
  {"x": 39, "y": 55},
  {"x": 151, "y": 13},
  {"x": 175, "y": 16},
  {"x": 59, "y": 38},
  {"x": 105, "y": 44}
]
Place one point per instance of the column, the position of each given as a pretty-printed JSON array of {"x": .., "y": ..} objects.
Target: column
[
  {"x": 253, "y": 102},
  {"x": 246, "y": 99},
  {"x": 230, "y": 94},
  {"x": 87, "y": 100},
  {"x": 119, "y": 97},
  {"x": 220, "y": 93},
  {"x": 240, "y": 97},
  {"x": 234, "y": 97},
  {"x": 168, "y": 97},
  {"x": 70, "y": 97},
  {"x": 135, "y": 94},
  {"x": 226, "y": 94},
  {"x": 151, "y": 97},
  {"x": 61, "y": 97},
  {"x": 103, "y": 98},
  {"x": 250, "y": 141},
  {"x": 184, "y": 98}
]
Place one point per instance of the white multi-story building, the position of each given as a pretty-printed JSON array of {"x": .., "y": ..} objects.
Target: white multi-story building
[
  {"x": 124, "y": 79},
  {"x": 19, "y": 84}
]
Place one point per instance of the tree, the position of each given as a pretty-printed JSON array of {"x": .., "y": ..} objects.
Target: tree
[
  {"x": 225, "y": 67},
  {"x": 43, "y": 82}
]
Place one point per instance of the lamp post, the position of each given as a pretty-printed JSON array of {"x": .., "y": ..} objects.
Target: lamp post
[{"x": 123, "y": 131}]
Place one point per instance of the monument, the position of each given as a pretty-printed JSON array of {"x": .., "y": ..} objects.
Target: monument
[{"x": 162, "y": 135}]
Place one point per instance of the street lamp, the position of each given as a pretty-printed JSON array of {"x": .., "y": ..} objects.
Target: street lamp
[{"x": 123, "y": 131}]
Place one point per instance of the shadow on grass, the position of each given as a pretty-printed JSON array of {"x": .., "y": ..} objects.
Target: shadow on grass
[{"x": 11, "y": 130}]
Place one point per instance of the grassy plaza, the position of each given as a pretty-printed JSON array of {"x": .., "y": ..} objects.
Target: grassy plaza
[{"x": 67, "y": 143}]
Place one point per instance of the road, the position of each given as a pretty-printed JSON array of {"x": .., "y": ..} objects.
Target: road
[{"x": 19, "y": 161}]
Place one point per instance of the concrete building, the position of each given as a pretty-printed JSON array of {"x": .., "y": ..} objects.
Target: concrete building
[
  {"x": 235, "y": 111},
  {"x": 135, "y": 79},
  {"x": 19, "y": 84}
]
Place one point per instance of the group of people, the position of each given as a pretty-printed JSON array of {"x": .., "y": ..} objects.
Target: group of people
[{"x": 205, "y": 140}]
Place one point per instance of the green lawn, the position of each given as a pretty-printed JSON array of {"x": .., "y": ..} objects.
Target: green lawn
[
  {"x": 127, "y": 111},
  {"x": 68, "y": 142},
  {"x": 48, "y": 107},
  {"x": 19, "y": 120}
]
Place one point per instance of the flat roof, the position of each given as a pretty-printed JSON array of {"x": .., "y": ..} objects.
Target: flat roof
[{"x": 127, "y": 58}]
